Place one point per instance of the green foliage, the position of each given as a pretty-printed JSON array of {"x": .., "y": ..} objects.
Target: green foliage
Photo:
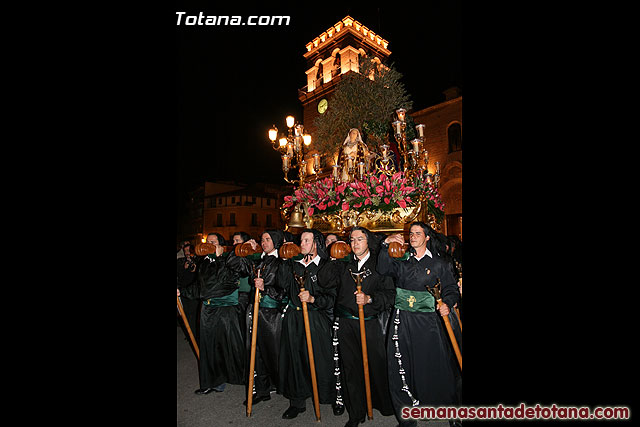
[{"x": 359, "y": 102}]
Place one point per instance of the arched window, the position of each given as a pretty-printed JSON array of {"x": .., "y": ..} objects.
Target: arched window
[
  {"x": 336, "y": 64},
  {"x": 319, "y": 78},
  {"x": 454, "y": 134}
]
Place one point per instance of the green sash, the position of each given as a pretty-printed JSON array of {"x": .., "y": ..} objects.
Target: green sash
[
  {"x": 231, "y": 299},
  {"x": 267, "y": 302},
  {"x": 420, "y": 301}
]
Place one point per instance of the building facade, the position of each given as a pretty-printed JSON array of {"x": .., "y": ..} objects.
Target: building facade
[
  {"x": 227, "y": 207},
  {"x": 443, "y": 141}
]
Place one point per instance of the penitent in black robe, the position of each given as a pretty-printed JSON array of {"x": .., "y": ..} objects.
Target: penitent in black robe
[
  {"x": 382, "y": 291},
  {"x": 422, "y": 369},
  {"x": 295, "y": 375},
  {"x": 222, "y": 350},
  {"x": 269, "y": 326}
]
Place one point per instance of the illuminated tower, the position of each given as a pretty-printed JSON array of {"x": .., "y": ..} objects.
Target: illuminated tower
[{"x": 333, "y": 53}]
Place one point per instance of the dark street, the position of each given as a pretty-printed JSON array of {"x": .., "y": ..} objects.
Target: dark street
[{"x": 226, "y": 408}]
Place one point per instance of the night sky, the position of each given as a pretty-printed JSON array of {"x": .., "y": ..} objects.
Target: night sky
[{"x": 234, "y": 82}]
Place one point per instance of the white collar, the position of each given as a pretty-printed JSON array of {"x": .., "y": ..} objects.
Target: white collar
[
  {"x": 316, "y": 260},
  {"x": 272, "y": 253},
  {"x": 363, "y": 260},
  {"x": 426, "y": 252}
]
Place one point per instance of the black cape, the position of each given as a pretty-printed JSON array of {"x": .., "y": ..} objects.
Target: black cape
[
  {"x": 382, "y": 291},
  {"x": 423, "y": 369},
  {"x": 269, "y": 328},
  {"x": 295, "y": 377},
  {"x": 222, "y": 350}
]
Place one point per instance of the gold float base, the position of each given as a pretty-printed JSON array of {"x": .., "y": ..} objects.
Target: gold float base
[{"x": 389, "y": 222}]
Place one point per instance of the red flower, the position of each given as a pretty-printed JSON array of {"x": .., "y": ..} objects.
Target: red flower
[{"x": 345, "y": 206}]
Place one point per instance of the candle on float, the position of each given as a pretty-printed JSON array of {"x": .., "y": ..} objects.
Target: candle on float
[
  {"x": 336, "y": 172},
  {"x": 416, "y": 146},
  {"x": 349, "y": 162},
  {"x": 385, "y": 152},
  {"x": 285, "y": 162},
  {"x": 396, "y": 126}
]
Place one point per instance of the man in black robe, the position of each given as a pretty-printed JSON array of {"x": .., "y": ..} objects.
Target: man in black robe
[
  {"x": 269, "y": 317},
  {"x": 422, "y": 368},
  {"x": 244, "y": 286},
  {"x": 222, "y": 350},
  {"x": 186, "y": 277},
  {"x": 320, "y": 291},
  {"x": 378, "y": 294}
]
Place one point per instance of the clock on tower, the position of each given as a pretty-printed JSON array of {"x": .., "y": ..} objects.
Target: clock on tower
[{"x": 322, "y": 106}]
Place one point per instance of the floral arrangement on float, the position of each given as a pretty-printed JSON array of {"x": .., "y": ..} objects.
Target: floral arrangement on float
[{"x": 380, "y": 203}]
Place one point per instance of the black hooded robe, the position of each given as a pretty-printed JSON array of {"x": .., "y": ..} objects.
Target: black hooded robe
[
  {"x": 222, "y": 350},
  {"x": 269, "y": 322},
  {"x": 422, "y": 368},
  {"x": 382, "y": 291},
  {"x": 295, "y": 376},
  {"x": 191, "y": 306}
]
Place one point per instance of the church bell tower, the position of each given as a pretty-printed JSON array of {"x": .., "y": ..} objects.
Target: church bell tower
[{"x": 335, "y": 52}]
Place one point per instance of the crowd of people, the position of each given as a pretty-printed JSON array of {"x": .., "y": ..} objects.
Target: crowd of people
[{"x": 411, "y": 361}]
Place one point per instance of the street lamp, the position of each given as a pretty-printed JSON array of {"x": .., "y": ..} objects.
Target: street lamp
[{"x": 291, "y": 148}]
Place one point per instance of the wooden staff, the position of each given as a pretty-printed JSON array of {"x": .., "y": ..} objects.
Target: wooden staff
[
  {"x": 254, "y": 336},
  {"x": 186, "y": 323},
  {"x": 457, "y": 310},
  {"x": 435, "y": 291},
  {"x": 312, "y": 365},
  {"x": 452, "y": 337},
  {"x": 365, "y": 355}
]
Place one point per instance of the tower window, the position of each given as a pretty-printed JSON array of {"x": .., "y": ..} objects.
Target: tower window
[{"x": 454, "y": 134}]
